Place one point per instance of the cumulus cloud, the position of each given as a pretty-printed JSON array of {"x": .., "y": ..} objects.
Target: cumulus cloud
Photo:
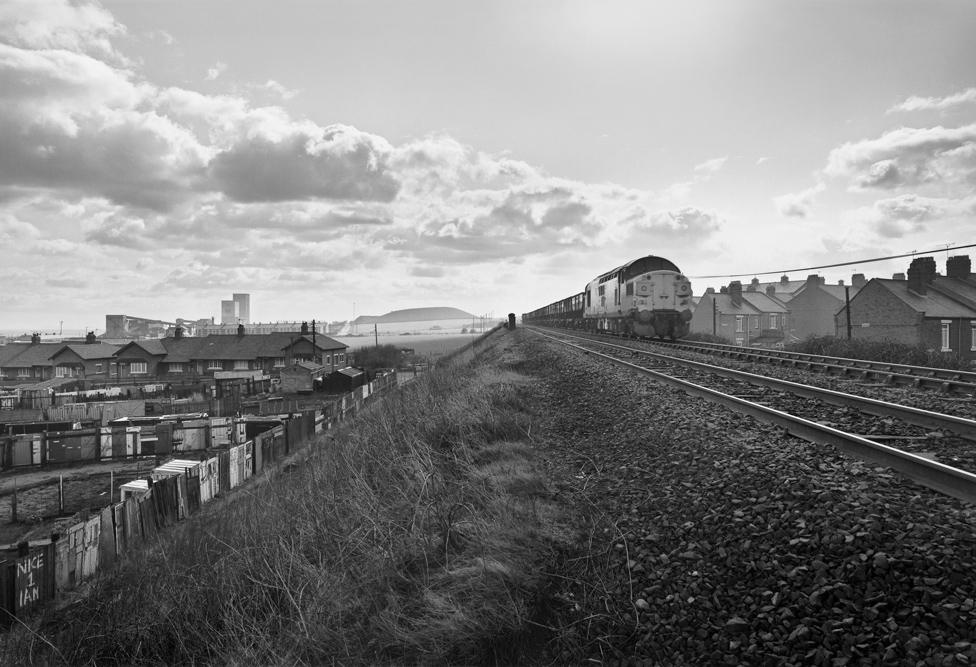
[
  {"x": 13, "y": 230},
  {"x": 213, "y": 73},
  {"x": 78, "y": 27},
  {"x": 899, "y": 216},
  {"x": 799, "y": 204},
  {"x": 916, "y": 103},
  {"x": 336, "y": 162},
  {"x": 907, "y": 157}
]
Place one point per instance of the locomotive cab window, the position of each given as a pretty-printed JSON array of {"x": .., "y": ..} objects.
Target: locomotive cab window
[{"x": 630, "y": 289}]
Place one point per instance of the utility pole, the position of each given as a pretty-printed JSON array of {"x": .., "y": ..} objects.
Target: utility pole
[{"x": 847, "y": 309}]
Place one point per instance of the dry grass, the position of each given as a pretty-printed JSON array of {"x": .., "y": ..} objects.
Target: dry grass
[{"x": 416, "y": 536}]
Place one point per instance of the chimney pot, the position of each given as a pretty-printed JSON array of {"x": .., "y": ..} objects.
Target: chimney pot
[
  {"x": 959, "y": 267},
  {"x": 735, "y": 292}
]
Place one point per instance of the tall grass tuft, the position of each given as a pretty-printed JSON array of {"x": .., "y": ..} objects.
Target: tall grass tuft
[{"x": 414, "y": 536}]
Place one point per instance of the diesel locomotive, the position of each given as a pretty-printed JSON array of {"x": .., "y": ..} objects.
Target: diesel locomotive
[{"x": 647, "y": 297}]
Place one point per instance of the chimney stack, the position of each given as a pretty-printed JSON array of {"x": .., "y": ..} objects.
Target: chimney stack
[
  {"x": 35, "y": 338},
  {"x": 240, "y": 330},
  {"x": 840, "y": 282},
  {"x": 959, "y": 267},
  {"x": 897, "y": 276},
  {"x": 783, "y": 279},
  {"x": 858, "y": 281},
  {"x": 813, "y": 279},
  {"x": 178, "y": 333},
  {"x": 90, "y": 338},
  {"x": 735, "y": 293},
  {"x": 921, "y": 272},
  {"x": 304, "y": 331},
  {"x": 754, "y": 285},
  {"x": 770, "y": 290}
]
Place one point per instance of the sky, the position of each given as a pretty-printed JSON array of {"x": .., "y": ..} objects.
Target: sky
[{"x": 341, "y": 158}]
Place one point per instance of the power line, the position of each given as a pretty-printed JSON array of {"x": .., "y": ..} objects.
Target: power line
[{"x": 831, "y": 266}]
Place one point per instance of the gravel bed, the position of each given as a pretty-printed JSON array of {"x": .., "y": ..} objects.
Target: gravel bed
[
  {"x": 944, "y": 447},
  {"x": 703, "y": 537}
]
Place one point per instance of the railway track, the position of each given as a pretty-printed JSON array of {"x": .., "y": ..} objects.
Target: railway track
[
  {"x": 942, "y": 379},
  {"x": 799, "y": 409}
]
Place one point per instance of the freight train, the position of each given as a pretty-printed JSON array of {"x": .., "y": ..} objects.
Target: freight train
[{"x": 647, "y": 297}]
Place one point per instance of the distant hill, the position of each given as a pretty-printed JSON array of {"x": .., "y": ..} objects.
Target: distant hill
[{"x": 415, "y": 315}]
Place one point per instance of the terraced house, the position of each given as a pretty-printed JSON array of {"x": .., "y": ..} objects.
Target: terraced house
[
  {"x": 928, "y": 309},
  {"x": 182, "y": 358}
]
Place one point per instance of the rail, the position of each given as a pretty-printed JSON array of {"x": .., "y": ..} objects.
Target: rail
[
  {"x": 932, "y": 474},
  {"x": 945, "y": 379}
]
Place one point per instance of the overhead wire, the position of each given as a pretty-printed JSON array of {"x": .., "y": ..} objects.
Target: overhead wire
[{"x": 832, "y": 266}]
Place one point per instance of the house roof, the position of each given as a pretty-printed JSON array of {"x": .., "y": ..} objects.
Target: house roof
[
  {"x": 10, "y": 351},
  {"x": 931, "y": 304},
  {"x": 752, "y": 303},
  {"x": 839, "y": 292},
  {"x": 34, "y": 354},
  {"x": 89, "y": 351},
  {"x": 350, "y": 371},
  {"x": 764, "y": 303},
  {"x": 153, "y": 346},
  {"x": 248, "y": 346}
]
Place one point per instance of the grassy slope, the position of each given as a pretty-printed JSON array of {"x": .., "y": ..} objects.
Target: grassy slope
[{"x": 418, "y": 535}]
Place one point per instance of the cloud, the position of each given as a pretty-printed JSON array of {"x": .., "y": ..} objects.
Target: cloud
[
  {"x": 798, "y": 205},
  {"x": 213, "y": 73},
  {"x": 427, "y": 272},
  {"x": 14, "y": 231},
  {"x": 899, "y": 216},
  {"x": 907, "y": 157},
  {"x": 711, "y": 166},
  {"x": 60, "y": 25},
  {"x": 336, "y": 162},
  {"x": 916, "y": 103}
]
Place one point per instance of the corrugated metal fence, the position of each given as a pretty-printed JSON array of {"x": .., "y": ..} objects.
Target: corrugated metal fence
[{"x": 34, "y": 573}]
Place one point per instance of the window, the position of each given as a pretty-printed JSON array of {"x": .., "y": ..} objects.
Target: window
[
  {"x": 738, "y": 323},
  {"x": 215, "y": 365},
  {"x": 175, "y": 367},
  {"x": 601, "y": 290},
  {"x": 62, "y": 371},
  {"x": 755, "y": 322},
  {"x": 972, "y": 335},
  {"x": 279, "y": 362},
  {"x": 240, "y": 364},
  {"x": 23, "y": 372},
  {"x": 772, "y": 320},
  {"x": 945, "y": 336},
  {"x": 98, "y": 368},
  {"x": 327, "y": 359},
  {"x": 630, "y": 289},
  {"x": 138, "y": 368}
]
